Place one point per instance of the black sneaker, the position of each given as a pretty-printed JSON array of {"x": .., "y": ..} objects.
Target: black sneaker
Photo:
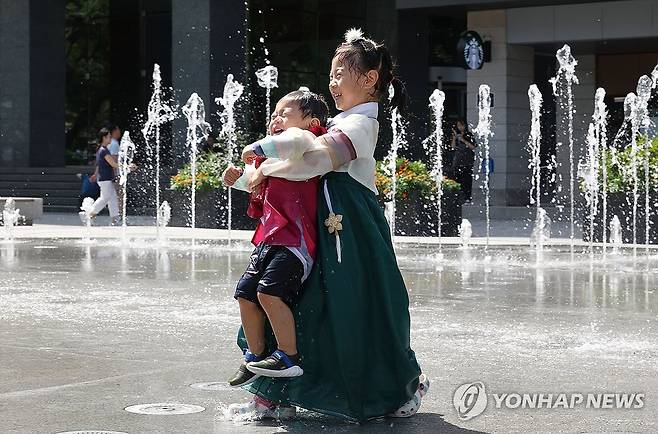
[
  {"x": 243, "y": 376},
  {"x": 279, "y": 364}
]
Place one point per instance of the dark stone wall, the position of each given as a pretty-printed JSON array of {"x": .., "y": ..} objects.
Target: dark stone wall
[{"x": 47, "y": 78}]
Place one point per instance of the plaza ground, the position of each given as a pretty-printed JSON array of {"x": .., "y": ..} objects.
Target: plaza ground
[{"x": 87, "y": 329}]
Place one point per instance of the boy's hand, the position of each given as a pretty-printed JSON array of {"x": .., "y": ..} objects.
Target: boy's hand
[
  {"x": 256, "y": 179},
  {"x": 248, "y": 155},
  {"x": 230, "y": 175}
]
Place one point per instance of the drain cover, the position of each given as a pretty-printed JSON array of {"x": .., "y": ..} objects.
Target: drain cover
[
  {"x": 92, "y": 432},
  {"x": 212, "y": 386},
  {"x": 164, "y": 408}
]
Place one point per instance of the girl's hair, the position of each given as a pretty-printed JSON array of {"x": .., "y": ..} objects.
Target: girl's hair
[
  {"x": 361, "y": 55},
  {"x": 310, "y": 104},
  {"x": 102, "y": 133}
]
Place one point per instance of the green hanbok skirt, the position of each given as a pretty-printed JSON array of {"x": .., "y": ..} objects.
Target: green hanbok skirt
[{"x": 352, "y": 317}]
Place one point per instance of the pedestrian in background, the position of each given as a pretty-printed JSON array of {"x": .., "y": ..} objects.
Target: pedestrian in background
[{"x": 463, "y": 143}]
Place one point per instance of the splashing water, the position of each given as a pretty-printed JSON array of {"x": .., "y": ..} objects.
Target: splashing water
[
  {"x": 567, "y": 71},
  {"x": 631, "y": 117},
  {"x": 126, "y": 154},
  {"x": 85, "y": 215},
  {"x": 465, "y": 232},
  {"x": 390, "y": 162},
  {"x": 588, "y": 170},
  {"x": 232, "y": 92},
  {"x": 534, "y": 144},
  {"x": 599, "y": 118},
  {"x": 644, "y": 88},
  {"x": 164, "y": 215},
  {"x": 615, "y": 235},
  {"x": 267, "y": 78},
  {"x": 197, "y": 130},
  {"x": 10, "y": 216},
  {"x": 541, "y": 232},
  {"x": 483, "y": 131},
  {"x": 437, "y": 100},
  {"x": 158, "y": 114}
]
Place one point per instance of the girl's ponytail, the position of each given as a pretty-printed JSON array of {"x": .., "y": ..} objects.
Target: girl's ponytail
[{"x": 362, "y": 55}]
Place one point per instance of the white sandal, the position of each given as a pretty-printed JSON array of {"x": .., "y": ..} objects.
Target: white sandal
[{"x": 411, "y": 407}]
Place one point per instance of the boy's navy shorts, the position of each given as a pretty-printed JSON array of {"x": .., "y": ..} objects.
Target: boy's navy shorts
[{"x": 272, "y": 270}]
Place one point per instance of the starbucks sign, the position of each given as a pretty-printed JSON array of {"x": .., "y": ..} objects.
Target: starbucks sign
[{"x": 470, "y": 50}]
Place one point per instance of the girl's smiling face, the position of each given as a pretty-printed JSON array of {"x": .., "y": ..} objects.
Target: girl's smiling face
[{"x": 348, "y": 88}]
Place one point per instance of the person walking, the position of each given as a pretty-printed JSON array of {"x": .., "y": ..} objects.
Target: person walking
[
  {"x": 114, "y": 147},
  {"x": 105, "y": 165}
]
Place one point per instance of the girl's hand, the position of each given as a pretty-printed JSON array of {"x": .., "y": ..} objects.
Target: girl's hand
[
  {"x": 248, "y": 155},
  {"x": 256, "y": 179},
  {"x": 230, "y": 175}
]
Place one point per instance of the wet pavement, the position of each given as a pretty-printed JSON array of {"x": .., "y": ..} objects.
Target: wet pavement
[{"x": 87, "y": 330}]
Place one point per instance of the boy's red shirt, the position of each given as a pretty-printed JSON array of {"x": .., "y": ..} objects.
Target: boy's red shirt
[{"x": 286, "y": 210}]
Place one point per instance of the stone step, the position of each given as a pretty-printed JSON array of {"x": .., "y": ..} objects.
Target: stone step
[
  {"x": 40, "y": 185},
  {"x": 61, "y": 208},
  {"x": 41, "y": 192},
  {"x": 38, "y": 177},
  {"x": 46, "y": 170}
]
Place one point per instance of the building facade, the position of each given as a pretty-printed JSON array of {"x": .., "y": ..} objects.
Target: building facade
[
  {"x": 67, "y": 67},
  {"x": 614, "y": 42}
]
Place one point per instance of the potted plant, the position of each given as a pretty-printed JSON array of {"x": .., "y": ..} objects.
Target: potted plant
[
  {"x": 211, "y": 196},
  {"x": 416, "y": 199}
]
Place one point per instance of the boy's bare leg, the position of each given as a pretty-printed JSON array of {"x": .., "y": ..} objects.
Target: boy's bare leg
[
  {"x": 282, "y": 322},
  {"x": 253, "y": 324}
]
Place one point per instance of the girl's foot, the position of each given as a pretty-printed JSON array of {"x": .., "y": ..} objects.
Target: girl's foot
[
  {"x": 279, "y": 364},
  {"x": 259, "y": 409},
  {"x": 411, "y": 407}
]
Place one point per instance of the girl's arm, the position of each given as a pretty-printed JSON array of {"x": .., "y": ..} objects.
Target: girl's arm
[
  {"x": 290, "y": 144},
  {"x": 326, "y": 154}
]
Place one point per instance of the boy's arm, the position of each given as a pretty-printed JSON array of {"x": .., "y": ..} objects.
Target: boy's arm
[{"x": 242, "y": 182}]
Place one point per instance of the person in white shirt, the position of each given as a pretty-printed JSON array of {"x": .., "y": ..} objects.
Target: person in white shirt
[{"x": 113, "y": 148}]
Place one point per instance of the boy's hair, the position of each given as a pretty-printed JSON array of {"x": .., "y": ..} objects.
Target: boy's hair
[
  {"x": 102, "y": 133},
  {"x": 361, "y": 55},
  {"x": 310, "y": 104}
]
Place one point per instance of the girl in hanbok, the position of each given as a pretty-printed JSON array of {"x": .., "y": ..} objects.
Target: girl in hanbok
[{"x": 352, "y": 317}]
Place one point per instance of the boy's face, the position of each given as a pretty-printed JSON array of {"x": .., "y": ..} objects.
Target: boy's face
[
  {"x": 287, "y": 115},
  {"x": 116, "y": 133}
]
